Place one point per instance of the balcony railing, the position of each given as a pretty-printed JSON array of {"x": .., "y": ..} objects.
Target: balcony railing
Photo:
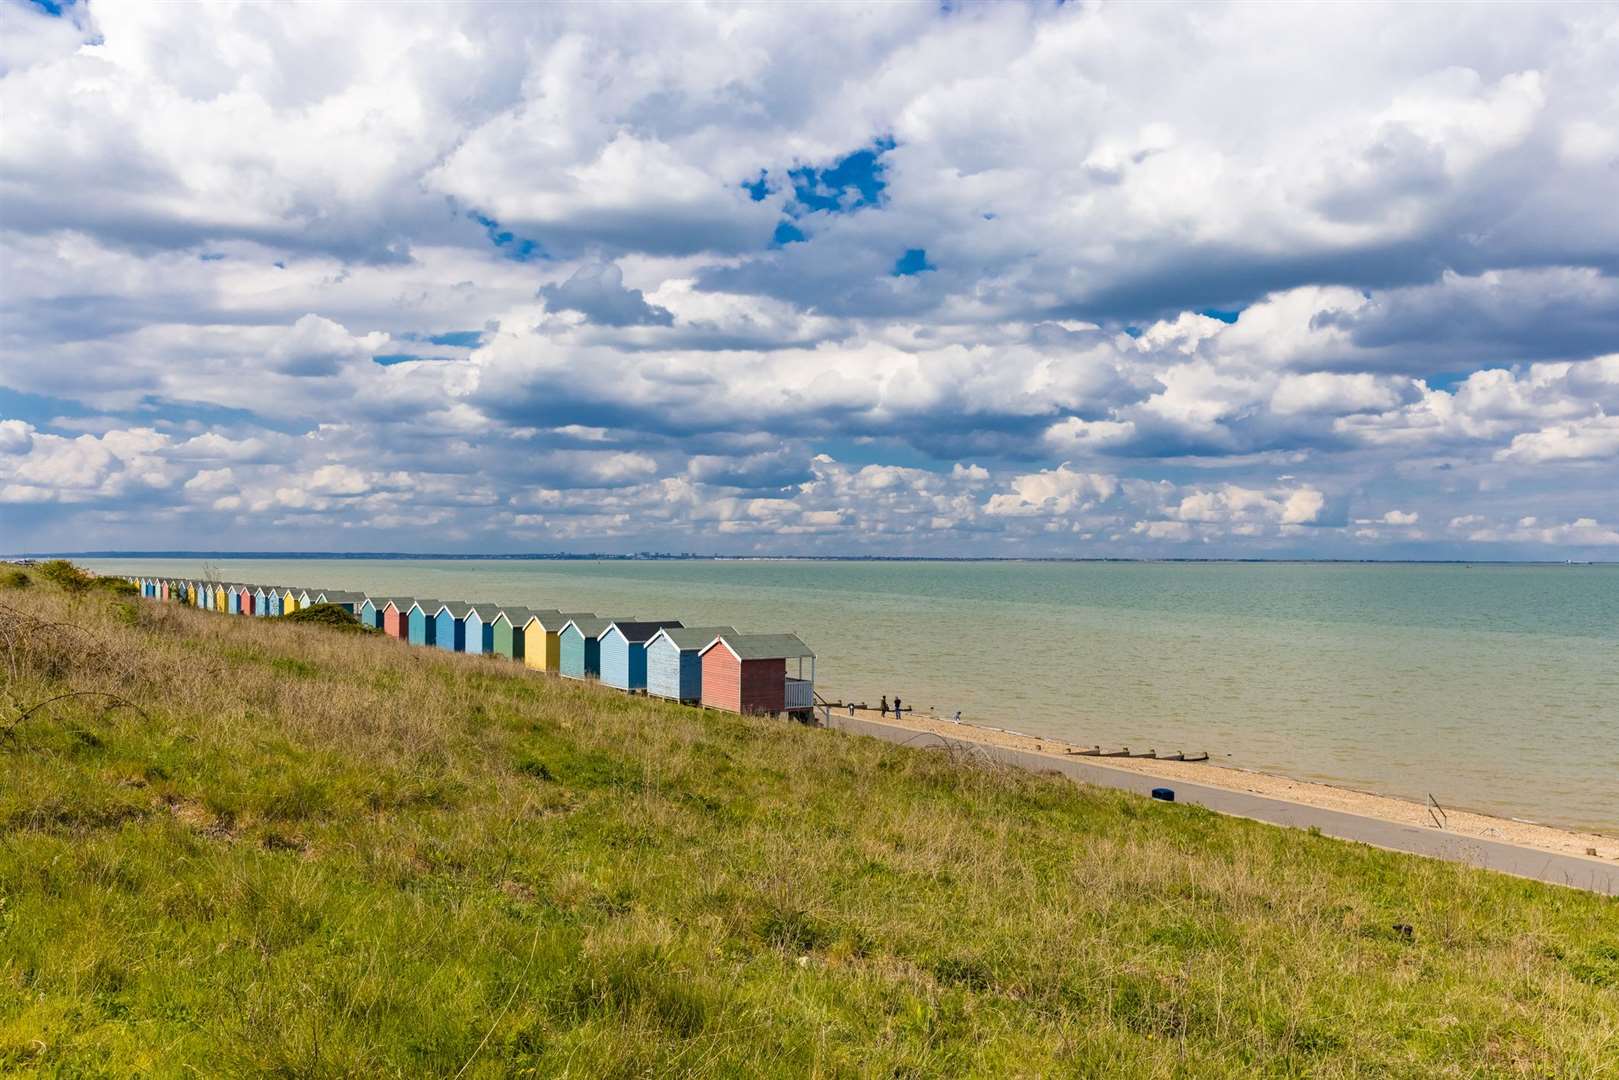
[{"x": 800, "y": 694}]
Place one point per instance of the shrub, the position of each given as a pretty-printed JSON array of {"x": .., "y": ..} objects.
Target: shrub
[
  {"x": 338, "y": 618},
  {"x": 117, "y": 586},
  {"x": 15, "y": 579},
  {"x": 64, "y": 575}
]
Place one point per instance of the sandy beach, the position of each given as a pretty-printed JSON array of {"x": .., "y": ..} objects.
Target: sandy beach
[{"x": 1456, "y": 822}]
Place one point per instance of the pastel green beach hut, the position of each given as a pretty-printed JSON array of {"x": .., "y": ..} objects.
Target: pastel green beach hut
[
  {"x": 580, "y": 647},
  {"x": 674, "y": 664},
  {"x": 542, "y": 638},
  {"x": 623, "y": 652},
  {"x": 508, "y": 632},
  {"x": 422, "y": 629}
]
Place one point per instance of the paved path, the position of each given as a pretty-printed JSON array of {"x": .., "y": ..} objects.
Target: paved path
[{"x": 1491, "y": 854}]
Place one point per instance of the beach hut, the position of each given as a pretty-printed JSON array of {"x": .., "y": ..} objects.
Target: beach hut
[
  {"x": 233, "y": 599},
  {"x": 674, "y": 664},
  {"x": 507, "y": 636},
  {"x": 273, "y": 599},
  {"x": 421, "y": 629},
  {"x": 221, "y": 597},
  {"x": 308, "y": 598},
  {"x": 623, "y": 652},
  {"x": 542, "y": 638},
  {"x": 481, "y": 628},
  {"x": 579, "y": 647},
  {"x": 289, "y": 600},
  {"x": 451, "y": 635},
  {"x": 165, "y": 592},
  {"x": 396, "y": 617},
  {"x": 371, "y": 608},
  {"x": 348, "y": 601},
  {"x": 261, "y": 601},
  {"x": 747, "y": 673}
]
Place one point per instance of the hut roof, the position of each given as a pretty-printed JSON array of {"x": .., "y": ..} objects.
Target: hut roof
[
  {"x": 551, "y": 619},
  {"x": 590, "y": 626},
  {"x": 763, "y": 646},
  {"x": 335, "y": 596},
  {"x": 686, "y": 638},
  {"x": 457, "y": 608},
  {"x": 486, "y": 612},
  {"x": 517, "y": 616},
  {"x": 642, "y": 631},
  {"x": 429, "y": 607},
  {"x": 401, "y": 602}
]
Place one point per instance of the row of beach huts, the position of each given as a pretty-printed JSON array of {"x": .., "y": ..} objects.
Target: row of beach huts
[{"x": 713, "y": 666}]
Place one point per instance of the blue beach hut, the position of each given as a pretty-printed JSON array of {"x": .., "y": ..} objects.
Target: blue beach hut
[
  {"x": 580, "y": 646},
  {"x": 623, "y": 652},
  {"x": 674, "y": 662},
  {"x": 423, "y": 626},
  {"x": 261, "y": 601},
  {"x": 481, "y": 627},
  {"x": 451, "y": 635},
  {"x": 233, "y": 600}
]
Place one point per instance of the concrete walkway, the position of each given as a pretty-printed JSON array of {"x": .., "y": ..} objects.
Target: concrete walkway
[{"x": 1490, "y": 854}]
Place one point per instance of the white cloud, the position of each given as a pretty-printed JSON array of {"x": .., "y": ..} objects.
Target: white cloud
[
  {"x": 561, "y": 219},
  {"x": 1053, "y": 491}
]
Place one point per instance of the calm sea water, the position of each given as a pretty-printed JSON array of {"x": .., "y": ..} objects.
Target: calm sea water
[{"x": 1491, "y": 687}]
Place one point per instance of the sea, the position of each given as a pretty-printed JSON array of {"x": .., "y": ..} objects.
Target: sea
[{"x": 1488, "y": 687}]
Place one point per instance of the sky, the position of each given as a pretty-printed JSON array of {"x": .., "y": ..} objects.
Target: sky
[{"x": 1090, "y": 280}]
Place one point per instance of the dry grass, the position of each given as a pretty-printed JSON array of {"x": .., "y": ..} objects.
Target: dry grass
[{"x": 250, "y": 846}]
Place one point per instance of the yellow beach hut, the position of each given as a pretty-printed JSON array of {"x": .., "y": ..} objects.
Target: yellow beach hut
[{"x": 542, "y": 643}]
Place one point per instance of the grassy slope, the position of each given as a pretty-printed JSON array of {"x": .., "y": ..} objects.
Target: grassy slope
[{"x": 318, "y": 852}]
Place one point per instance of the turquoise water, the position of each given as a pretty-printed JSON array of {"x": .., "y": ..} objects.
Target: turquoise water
[{"x": 1490, "y": 687}]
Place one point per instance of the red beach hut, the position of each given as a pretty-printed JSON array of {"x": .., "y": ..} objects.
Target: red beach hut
[
  {"x": 747, "y": 673},
  {"x": 396, "y": 618}
]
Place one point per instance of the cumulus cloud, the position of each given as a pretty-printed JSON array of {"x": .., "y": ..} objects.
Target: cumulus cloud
[
  {"x": 597, "y": 292},
  {"x": 573, "y": 267}
]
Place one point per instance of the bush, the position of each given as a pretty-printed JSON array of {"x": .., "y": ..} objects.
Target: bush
[
  {"x": 15, "y": 579},
  {"x": 338, "y": 618},
  {"x": 64, "y": 575},
  {"x": 117, "y": 586}
]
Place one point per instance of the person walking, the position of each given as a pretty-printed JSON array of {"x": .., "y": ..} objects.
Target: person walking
[
  {"x": 885, "y": 706},
  {"x": 898, "y": 708}
]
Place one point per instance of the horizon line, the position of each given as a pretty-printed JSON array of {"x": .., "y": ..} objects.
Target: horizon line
[{"x": 716, "y": 557}]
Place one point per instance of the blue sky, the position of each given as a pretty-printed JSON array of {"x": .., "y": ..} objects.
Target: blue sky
[{"x": 983, "y": 280}]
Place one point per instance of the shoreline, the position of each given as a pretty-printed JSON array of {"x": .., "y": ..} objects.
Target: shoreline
[{"x": 1390, "y": 809}]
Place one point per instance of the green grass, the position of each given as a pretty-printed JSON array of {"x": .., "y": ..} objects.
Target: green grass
[{"x": 278, "y": 849}]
